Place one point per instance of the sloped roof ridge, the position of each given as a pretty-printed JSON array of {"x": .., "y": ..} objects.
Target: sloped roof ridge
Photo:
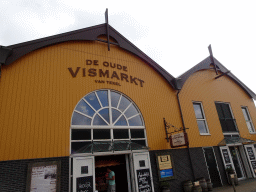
[
  {"x": 89, "y": 33},
  {"x": 205, "y": 65}
]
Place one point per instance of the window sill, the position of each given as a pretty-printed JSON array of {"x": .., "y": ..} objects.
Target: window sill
[
  {"x": 205, "y": 134},
  {"x": 253, "y": 133}
]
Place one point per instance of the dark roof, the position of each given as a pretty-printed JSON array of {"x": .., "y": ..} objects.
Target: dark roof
[
  {"x": 88, "y": 34},
  {"x": 205, "y": 64}
]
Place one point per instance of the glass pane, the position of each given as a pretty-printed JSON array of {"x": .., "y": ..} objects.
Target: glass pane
[
  {"x": 131, "y": 111},
  {"x": 121, "y": 134},
  {"x": 80, "y": 134},
  {"x": 115, "y": 115},
  {"x": 122, "y": 121},
  {"x": 103, "y": 96},
  {"x": 85, "y": 108},
  {"x": 81, "y": 147},
  {"x": 135, "y": 121},
  {"x": 79, "y": 119},
  {"x": 98, "y": 121},
  {"x": 123, "y": 103},
  {"x": 201, "y": 126},
  {"x": 245, "y": 114},
  {"x": 101, "y": 134},
  {"x": 121, "y": 145},
  {"x": 105, "y": 114},
  {"x": 223, "y": 125},
  {"x": 249, "y": 125},
  {"x": 198, "y": 111},
  {"x": 92, "y": 99},
  {"x": 226, "y": 111},
  {"x": 138, "y": 144},
  {"x": 231, "y": 125},
  {"x": 219, "y": 110},
  {"x": 137, "y": 133},
  {"x": 114, "y": 98},
  {"x": 102, "y": 147}
]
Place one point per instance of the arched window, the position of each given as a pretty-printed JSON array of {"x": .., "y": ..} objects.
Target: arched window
[{"x": 106, "y": 120}]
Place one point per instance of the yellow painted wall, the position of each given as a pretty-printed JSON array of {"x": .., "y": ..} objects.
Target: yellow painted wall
[
  {"x": 38, "y": 95},
  {"x": 201, "y": 86}
]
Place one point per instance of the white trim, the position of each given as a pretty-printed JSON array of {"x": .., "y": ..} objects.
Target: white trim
[
  {"x": 215, "y": 161},
  {"x": 204, "y": 117},
  {"x": 250, "y": 119},
  {"x": 98, "y": 99}
]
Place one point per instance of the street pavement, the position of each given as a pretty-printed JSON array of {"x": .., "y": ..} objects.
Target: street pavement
[{"x": 248, "y": 185}]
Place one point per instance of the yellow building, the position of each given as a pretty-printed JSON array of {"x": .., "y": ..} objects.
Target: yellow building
[{"x": 75, "y": 103}]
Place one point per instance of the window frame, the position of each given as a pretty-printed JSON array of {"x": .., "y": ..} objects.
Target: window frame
[
  {"x": 110, "y": 125},
  {"x": 231, "y": 112},
  {"x": 204, "y": 118},
  {"x": 250, "y": 119}
]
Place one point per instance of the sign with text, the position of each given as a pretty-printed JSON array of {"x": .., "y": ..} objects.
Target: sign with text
[
  {"x": 164, "y": 166},
  {"x": 100, "y": 69},
  {"x": 226, "y": 156},
  {"x": 166, "y": 173},
  {"x": 250, "y": 153},
  {"x": 43, "y": 177},
  {"x": 144, "y": 180},
  {"x": 164, "y": 162},
  {"x": 84, "y": 184},
  {"x": 179, "y": 139}
]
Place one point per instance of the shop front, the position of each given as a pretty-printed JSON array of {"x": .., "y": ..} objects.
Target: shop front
[{"x": 108, "y": 131}]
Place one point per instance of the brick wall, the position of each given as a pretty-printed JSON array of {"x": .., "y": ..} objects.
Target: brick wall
[{"x": 13, "y": 174}]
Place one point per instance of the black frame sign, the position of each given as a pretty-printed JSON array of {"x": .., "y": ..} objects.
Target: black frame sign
[
  {"x": 250, "y": 153},
  {"x": 43, "y": 177},
  {"x": 226, "y": 156},
  {"x": 84, "y": 184},
  {"x": 144, "y": 180},
  {"x": 165, "y": 167}
]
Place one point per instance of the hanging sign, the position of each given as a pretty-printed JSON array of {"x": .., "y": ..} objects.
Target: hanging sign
[
  {"x": 44, "y": 177},
  {"x": 179, "y": 139}
]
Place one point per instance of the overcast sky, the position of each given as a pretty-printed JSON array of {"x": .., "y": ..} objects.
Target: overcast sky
[{"x": 175, "y": 34}]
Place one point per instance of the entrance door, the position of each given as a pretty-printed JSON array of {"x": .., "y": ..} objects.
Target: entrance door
[
  {"x": 237, "y": 161},
  {"x": 143, "y": 173},
  {"x": 83, "y": 174},
  {"x": 251, "y": 155},
  {"x": 212, "y": 167}
]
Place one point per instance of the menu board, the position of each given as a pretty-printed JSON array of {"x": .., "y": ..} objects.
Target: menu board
[
  {"x": 250, "y": 153},
  {"x": 144, "y": 180},
  {"x": 226, "y": 156},
  {"x": 43, "y": 178},
  {"x": 253, "y": 165},
  {"x": 84, "y": 184}
]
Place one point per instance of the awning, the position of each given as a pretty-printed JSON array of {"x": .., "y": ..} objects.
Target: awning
[
  {"x": 107, "y": 146},
  {"x": 235, "y": 140}
]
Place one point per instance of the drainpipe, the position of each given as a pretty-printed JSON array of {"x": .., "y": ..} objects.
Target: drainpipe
[{"x": 183, "y": 124}]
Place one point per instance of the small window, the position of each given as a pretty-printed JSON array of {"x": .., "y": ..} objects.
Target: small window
[
  {"x": 248, "y": 120},
  {"x": 200, "y": 117}
]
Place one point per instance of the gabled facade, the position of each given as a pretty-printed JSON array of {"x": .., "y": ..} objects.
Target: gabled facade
[
  {"x": 220, "y": 113},
  {"x": 76, "y": 103}
]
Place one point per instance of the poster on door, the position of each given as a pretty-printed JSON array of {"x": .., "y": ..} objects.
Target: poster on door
[{"x": 144, "y": 180}]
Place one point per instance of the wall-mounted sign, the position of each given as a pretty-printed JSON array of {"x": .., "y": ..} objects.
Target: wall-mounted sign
[
  {"x": 43, "y": 177},
  {"x": 164, "y": 165},
  {"x": 91, "y": 69},
  {"x": 179, "y": 139}
]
